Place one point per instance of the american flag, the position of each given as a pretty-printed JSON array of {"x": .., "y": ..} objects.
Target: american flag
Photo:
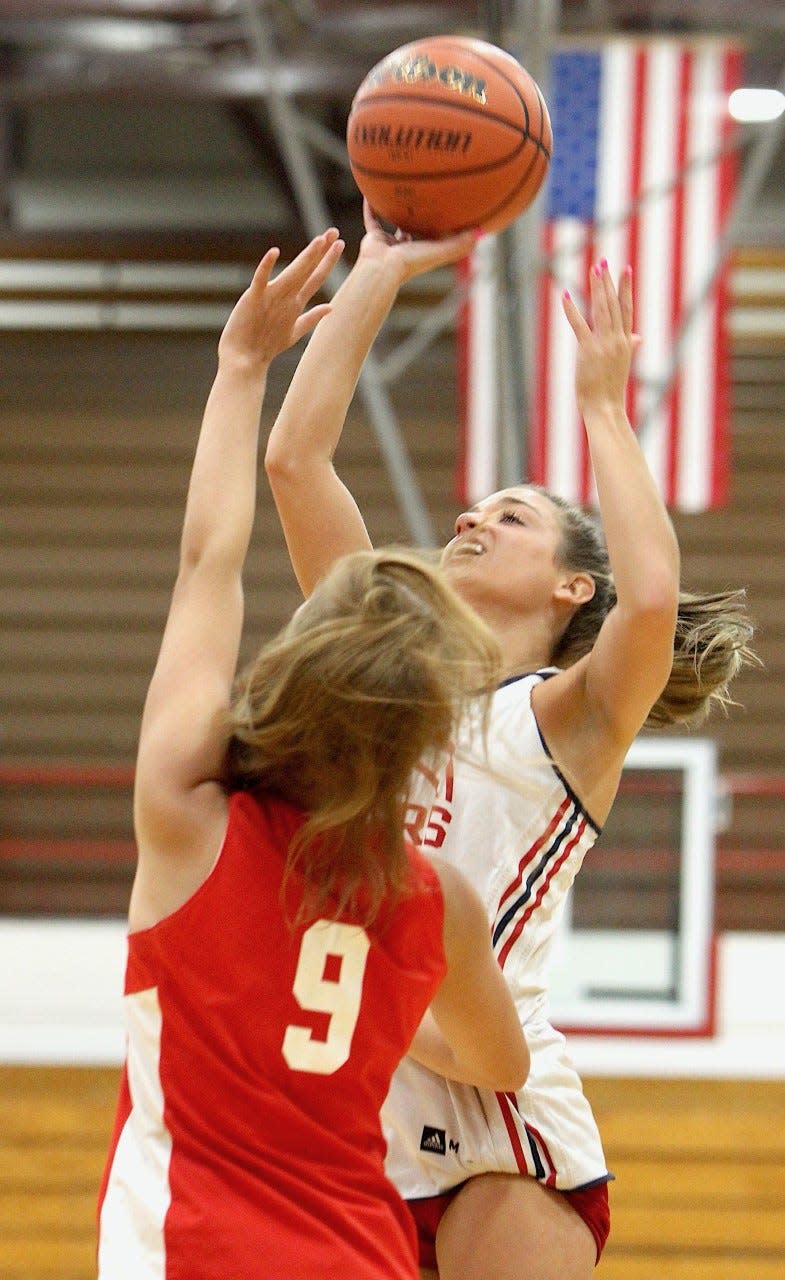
[{"x": 642, "y": 173}]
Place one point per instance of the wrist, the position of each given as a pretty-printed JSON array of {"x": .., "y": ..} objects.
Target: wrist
[
  {"x": 386, "y": 270},
  {"x": 247, "y": 367},
  {"x": 604, "y": 411}
]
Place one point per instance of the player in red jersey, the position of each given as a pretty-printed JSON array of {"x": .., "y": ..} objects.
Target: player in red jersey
[{"x": 285, "y": 941}]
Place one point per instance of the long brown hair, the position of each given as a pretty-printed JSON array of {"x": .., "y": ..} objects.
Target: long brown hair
[
  {"x": 371, "y": 675},
  {"x": 712, "y": 638}
]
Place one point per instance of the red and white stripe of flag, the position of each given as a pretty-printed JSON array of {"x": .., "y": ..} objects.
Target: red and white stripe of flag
[{"x": 665, "y": 183}]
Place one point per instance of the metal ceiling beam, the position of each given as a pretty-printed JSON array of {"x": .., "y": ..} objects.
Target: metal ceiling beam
[
  {"x": 702, "y": 15},
  {"x": 155, "y": 77},
  {"x": 123, "y": 35},
  {"x": 529, "y": 38},
  {"x": 316, "y": 216},
  {"x": 396, "y": 23},
  {"x": 45, "y": 9}
]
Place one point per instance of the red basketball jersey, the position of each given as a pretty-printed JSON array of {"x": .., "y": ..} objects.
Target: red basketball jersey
[{"x": 247, "y": 1142}]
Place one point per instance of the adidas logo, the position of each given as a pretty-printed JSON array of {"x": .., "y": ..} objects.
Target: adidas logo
[{"x": 434, "y": 1140}]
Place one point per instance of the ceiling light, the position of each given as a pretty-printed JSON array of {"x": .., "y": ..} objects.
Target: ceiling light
[{"x": 756, "y": 105}]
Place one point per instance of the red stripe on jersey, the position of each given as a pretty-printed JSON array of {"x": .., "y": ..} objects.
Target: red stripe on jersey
[
  {"x": 532, "y": 852},
  {"x": 512, "y": 1133},
  {"x": 541, "y": 892}
]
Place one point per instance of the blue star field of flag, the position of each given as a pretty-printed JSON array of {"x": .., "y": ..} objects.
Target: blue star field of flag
[{"x": 574, "y": 104}]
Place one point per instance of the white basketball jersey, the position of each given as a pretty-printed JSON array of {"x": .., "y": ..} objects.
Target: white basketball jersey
[{"x": 520, "y": 843}]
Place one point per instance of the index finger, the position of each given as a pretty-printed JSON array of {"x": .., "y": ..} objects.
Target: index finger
[
  {"x": 370, "y": 220},
  {"x": 308, "y": 260},
  {"x": 577, "y": 322},
  {"x": 318, "y": 276}
]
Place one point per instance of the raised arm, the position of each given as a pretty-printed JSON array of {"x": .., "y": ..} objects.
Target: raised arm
[
  {"x": 471, "y": 1032},
  {"x": 179, "y": 808},
  {"x": 602, "y": 702},
  {"x": 320, "y": 518}
]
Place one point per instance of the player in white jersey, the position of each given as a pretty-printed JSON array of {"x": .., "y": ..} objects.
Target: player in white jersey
[
  {"x": 513, "y": 1187},
  {"x": 522, "y": 845}
]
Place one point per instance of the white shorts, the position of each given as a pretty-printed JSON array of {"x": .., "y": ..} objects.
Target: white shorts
[{"x": 440, "y": 1133}]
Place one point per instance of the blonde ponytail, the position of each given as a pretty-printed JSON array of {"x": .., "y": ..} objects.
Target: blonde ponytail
[
  {"x": 713, "y": 631},
  {"x": 712, "y": 643}
]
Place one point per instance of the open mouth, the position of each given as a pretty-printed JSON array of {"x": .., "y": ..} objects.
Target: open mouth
[{"x": 469, "y": 547}]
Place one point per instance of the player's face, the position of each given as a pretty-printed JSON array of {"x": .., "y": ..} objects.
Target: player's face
[{"x": 505, "y": 547}]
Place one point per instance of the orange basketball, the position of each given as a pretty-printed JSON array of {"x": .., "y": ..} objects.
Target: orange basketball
[{"x": 447, "y": 134}]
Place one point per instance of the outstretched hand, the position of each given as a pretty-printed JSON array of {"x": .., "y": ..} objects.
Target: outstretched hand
[
  {"x": 410, "y": 257},
  {"x": 271, "y": 314},
  {"x": 606, "y": 343}
]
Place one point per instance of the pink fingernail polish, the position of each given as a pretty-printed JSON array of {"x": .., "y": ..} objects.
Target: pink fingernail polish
[
  {"x": 604, "y": 262},
  {"x": 567, "y": 295}
]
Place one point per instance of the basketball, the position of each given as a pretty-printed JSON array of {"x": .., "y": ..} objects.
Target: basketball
[{"x": 447, "y": 134}]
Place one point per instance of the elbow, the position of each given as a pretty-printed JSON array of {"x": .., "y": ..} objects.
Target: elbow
[
  {"x": 194, "y": 545},
  {"x": 657, "y": 590},
  {"x": 278, "y": 464},
  {"x": 291, "y": 470},
  {"x": 656, "y": 620},
  {"x": 654, "y": 629},
  {"x": 519, "y": 1066},
  {"x": 295, "y": 473},
  {"x": 525, "y": 1064},
  {"x": 653, "y": 609},
  {"x": 513, "y": 1071},
  {"x": 662, "y": 582},
  {"x": 663, "y": 594}
]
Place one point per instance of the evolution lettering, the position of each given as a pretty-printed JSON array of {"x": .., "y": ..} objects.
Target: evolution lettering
[{"x": 407, "y": 139}]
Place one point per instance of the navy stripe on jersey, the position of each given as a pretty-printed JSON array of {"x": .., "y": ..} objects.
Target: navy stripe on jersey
[
  {"x": 576, "y": 799},
  {"x": 539, "y": 1171},
  {"x": 538, "y": 1144},
  {"x": 572, "y": 815}
]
